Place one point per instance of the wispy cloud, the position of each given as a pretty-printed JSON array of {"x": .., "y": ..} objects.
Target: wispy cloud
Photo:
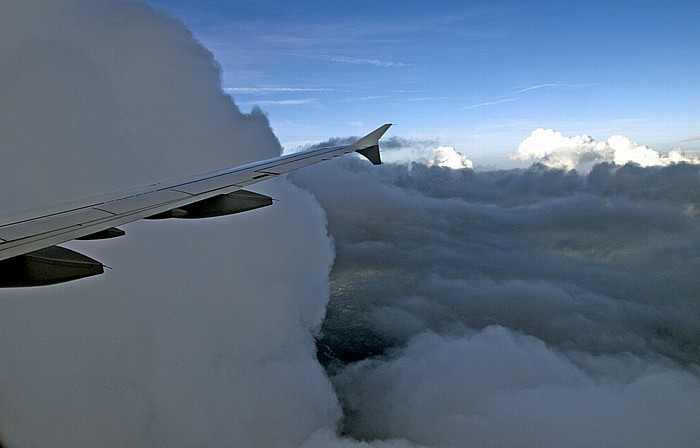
[
  {"x": 366, "y": 98},
  {"x": 539, "y": 86},
  {"x": 556, "y": 84},
  {"x": 490, "y": 103},
  {"x": 429, "y": 98},
  {"x": 528, "y": 89},
  {"x": 294, "y": 102},
  {"x": 360, "y": 61},
  {"x": 275, "y": 89},
  {"x": 409, "y": 91},
  {"x": 584, "y": 86}
]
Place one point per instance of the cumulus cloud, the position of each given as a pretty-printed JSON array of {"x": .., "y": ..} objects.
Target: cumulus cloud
[{"x": 558, "y": 151}]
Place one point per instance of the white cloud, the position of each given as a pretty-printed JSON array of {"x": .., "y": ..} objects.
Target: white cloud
[{"x": 558, "y": 151}]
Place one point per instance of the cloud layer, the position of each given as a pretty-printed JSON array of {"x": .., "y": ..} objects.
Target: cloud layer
[
  {"x": 499, "y": 388},
  {"x": 514, "y": 308}
]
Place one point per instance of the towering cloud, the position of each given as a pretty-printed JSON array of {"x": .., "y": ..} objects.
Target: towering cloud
[
  {"x": 201, "y": 335},
  {"x": 104, "y": 96},
  {"x": 449, "y": 157}
]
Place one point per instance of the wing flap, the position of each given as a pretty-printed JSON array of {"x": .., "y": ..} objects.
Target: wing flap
[
  {"x": 145, "y": 201},
  {"x": 60, "y": 221}
]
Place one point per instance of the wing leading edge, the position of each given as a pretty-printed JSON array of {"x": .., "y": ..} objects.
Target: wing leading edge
[{"x": 29, "y": 237}]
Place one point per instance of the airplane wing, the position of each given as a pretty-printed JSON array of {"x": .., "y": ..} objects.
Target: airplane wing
[{"x": 28, "y": 252}]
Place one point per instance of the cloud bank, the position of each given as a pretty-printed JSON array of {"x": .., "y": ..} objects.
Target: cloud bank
[
  {"x": 558, "y": 151},
  {"x": 532, "y": 307}
]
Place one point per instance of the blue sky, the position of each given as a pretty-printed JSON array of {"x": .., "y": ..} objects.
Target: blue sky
[{"x": 476, "y": 75}]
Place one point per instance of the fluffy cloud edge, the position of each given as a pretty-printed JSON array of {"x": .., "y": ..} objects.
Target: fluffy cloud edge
[{"x": 556, "y": 150}]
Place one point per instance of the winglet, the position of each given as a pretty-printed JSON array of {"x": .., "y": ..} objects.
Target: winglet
[{"x": 368, "y": 145}]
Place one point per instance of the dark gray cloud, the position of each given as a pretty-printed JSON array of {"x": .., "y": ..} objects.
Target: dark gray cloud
[
  {"x": 469, "y": 283},
  {"x": 500, "y": 389},
  {"x": 396, "y": 142}
]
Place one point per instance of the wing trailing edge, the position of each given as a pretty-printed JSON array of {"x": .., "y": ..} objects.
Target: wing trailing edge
[{"x": 28, "y": 255}]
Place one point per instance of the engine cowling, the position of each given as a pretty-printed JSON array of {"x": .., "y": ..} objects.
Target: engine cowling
[
  {"x": 108, "y": 233},
  {"x": 221, "y": 205},
  {"x": 46, "y": 267}
]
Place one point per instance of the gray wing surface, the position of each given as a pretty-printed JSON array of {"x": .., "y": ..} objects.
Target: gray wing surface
[{"x": 27, "y": 232}]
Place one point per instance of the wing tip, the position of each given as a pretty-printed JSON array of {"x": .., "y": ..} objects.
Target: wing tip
[{"x": 368, "y": 145}]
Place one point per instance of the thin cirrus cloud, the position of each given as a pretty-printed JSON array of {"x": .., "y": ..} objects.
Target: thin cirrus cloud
[
  {"x": 361, "y": 61},
  {"x": 490, "y": 103},
  {"x": 540, "y": 86},
  {"x": 290, "y": 102},
  {"x": 275, "y": 89},
  {"x": 558, "y": 84},
  {"x": 366, "y": 98},
  {"x": 524, "y": 90}
]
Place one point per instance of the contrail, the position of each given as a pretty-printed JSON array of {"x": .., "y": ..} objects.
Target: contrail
[{"x": 490, "y": 103}]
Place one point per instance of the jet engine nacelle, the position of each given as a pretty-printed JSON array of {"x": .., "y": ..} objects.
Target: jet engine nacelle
[{"x": 221, "y": 205}]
